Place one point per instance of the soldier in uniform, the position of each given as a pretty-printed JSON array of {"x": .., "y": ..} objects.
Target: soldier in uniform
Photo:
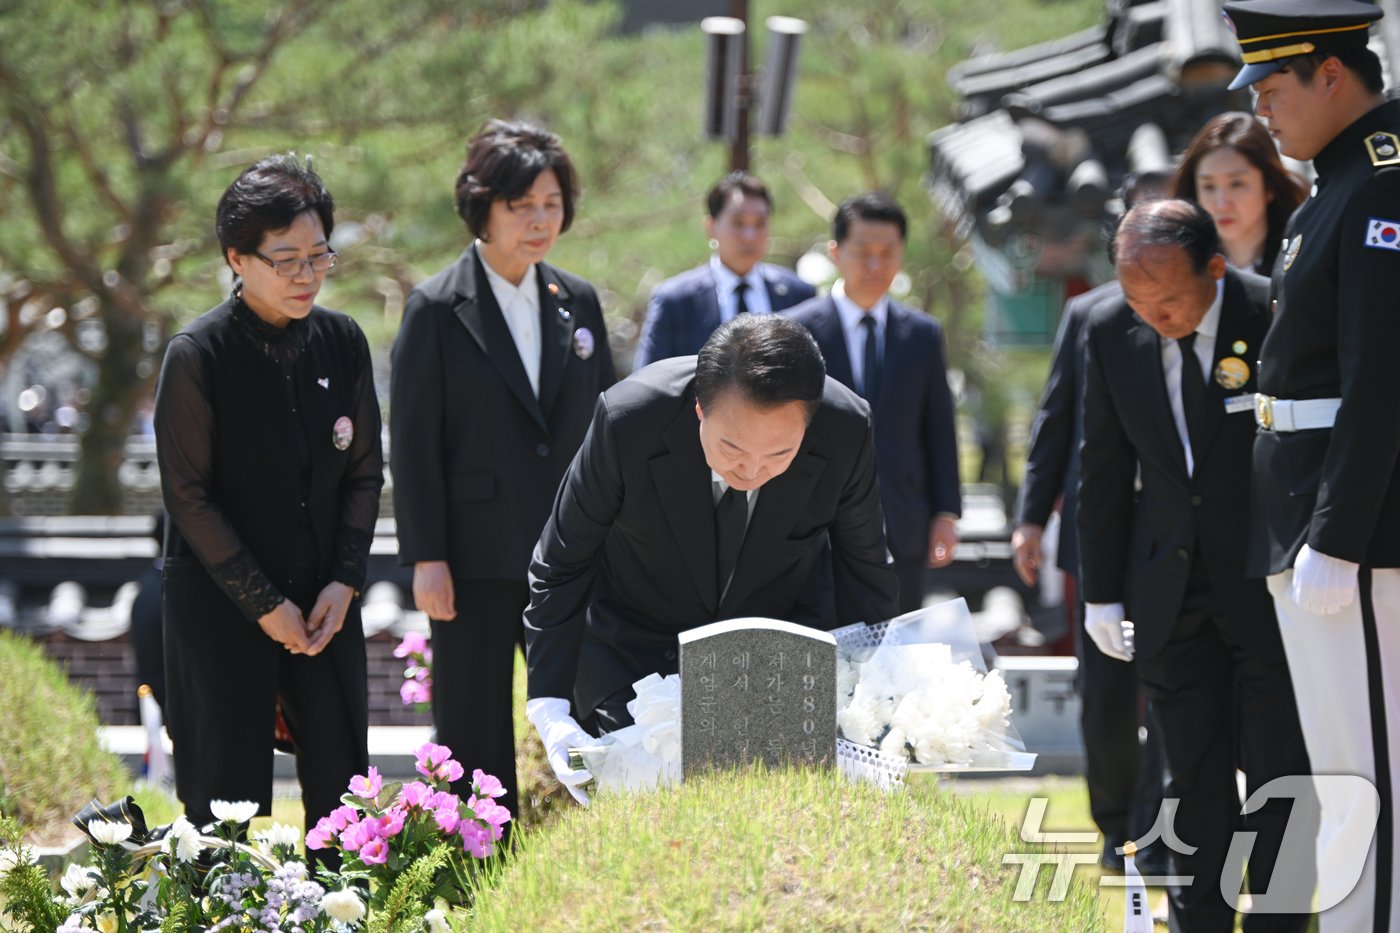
[{"x": 1326, "y": 494}]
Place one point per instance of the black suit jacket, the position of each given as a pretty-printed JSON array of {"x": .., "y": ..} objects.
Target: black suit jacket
[
  {"x": 627, "y": 560},
  {"x": 916, "y": 439},
  {"x": 1052, "y": 458},
  {"x": 1335, "y": 336},
  {"x": 476, "y": 458},
  {"x": 684, "y": 310},
  {"x": 1137, "y": 547}
]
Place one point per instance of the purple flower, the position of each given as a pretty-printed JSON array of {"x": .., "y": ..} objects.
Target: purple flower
[
  {"x": 374, "y": 852},
  {"x": 431, "y": 757},
  {"x": 476, "y": 839},
  {"x": 368, "y": 786},
  {"x": 413, "y": 643},
  {"x": 487, "y": 785}
]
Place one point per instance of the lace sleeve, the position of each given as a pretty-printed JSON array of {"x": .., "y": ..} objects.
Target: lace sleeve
[
  {"x": 363, "y": 479},
  {"x": 184, "y": 424}
]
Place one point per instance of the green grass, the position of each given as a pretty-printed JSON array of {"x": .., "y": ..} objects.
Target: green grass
[
  {"x": 50, "y": 760},
  {"x": 774, "y": 850}
]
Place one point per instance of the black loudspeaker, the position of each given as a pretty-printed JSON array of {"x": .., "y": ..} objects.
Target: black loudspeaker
[
  {"x": 724, "y": 38},
  {"x": 779, "y": 73}
]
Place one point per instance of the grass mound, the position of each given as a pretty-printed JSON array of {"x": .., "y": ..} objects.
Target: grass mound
[
  {"x": 50, "y": 761},
  {"x": 783, "y": 850}
]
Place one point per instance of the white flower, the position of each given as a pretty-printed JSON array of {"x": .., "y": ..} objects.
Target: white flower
[
  {"x": 240, "y": 811},
  {"x": 343, "y": 905},
  {"x": 436, "y": 921},
  {"x": 894, "y": 744},
  {"x": 106, "y": 922},
  {"x": 10, "y": 859},
  {"x": 80, "y": 884},
  {"x": 278, "y": 834},
  {"x": 109, "y": 833},
  {"x": 183, "y": 840}
]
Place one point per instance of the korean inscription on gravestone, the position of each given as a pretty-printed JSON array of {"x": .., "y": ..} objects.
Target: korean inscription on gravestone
[{"x": 757, "y": 689}]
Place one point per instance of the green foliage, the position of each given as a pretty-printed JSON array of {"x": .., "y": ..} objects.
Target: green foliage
[
  {"x": 411, "y": 897},
  {"x": 25, "y": 898},
  {"x": 774, "y": 850},
  {"x": 50, "y": 761}
]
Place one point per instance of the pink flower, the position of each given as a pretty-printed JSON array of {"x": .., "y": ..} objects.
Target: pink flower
[
  {"x": 487, "y": 785},
  {"x": 476, "y": 839},
  {"x": 321, "y": 836},
  {"x": 368, "y": 786},
  {"x": 343, "y": 816},
  {"x": 427, "y": 655},
  {"x": 447, "y": 820},
  {"x": 359, "y": 835},
  {"x": 413, "y": 643},
  {"x": 391, "y": 823},
  {"x": 416, "y": 795},
  {"x": 414, "y": 691},
  {"x": 431, "y": 757},
  {"x": 489, "y": 811},
  {"x": 374, "y": 852}
]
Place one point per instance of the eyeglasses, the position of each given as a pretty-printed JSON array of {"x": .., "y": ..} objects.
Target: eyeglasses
[{"x": 291, "y": 268}]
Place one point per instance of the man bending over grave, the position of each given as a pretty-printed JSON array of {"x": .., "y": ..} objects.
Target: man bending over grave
[{"x": 706, "y": 489}]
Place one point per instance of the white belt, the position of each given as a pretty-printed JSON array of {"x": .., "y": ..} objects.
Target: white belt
[{"x": 1285, "y": 415}]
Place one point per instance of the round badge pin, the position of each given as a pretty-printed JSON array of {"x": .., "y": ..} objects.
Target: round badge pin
[
  {"x": 1239, "y": 346},
  {"x": 342, "y": 433},
  {"x": 564, "y": 314},
  {"x": 1294, "y": 245},
  {"x": 1232, "y": 372},
  {"x": 583, "y": 343},
  {"x": 553, "y": 288}
]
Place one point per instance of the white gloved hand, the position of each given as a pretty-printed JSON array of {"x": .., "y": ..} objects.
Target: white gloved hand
[
  {"x": 1323, "y": 585},
  {"x": 559, "y": 732},
  {"x": 1113, "y": 634}
]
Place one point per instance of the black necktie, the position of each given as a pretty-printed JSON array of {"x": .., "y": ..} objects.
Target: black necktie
[
  {"x": 740, "y": 305},
  {"x": 1193, "y": 387},
  {"x": 870, "y": 380},
  {"x": 731, "y": 517}
]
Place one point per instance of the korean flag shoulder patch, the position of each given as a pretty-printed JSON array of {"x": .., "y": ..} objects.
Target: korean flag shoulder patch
[{"x": 1383, "y": 234}]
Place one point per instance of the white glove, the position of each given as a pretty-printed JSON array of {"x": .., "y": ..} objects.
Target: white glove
[
  {"x": 559, "y": 732},
  {"x": 1112, "y": 633},
  {"x": 1323, "y": 585}
]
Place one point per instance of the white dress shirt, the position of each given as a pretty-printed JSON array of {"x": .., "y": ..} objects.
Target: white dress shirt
[
  {"x": 520, "y": 304},
  {"x": 726, "y": 280},
  {"x": 851, "y": 316},
  {"x": 1171, "y": 368}
]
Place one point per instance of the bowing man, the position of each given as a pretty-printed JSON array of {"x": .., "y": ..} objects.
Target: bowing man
[
  {"x": 1163, "y": 518},
  {"x": 706, "y": 489}
]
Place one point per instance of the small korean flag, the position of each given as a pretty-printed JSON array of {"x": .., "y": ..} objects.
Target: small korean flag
[{"x": 1383, "y": 234}]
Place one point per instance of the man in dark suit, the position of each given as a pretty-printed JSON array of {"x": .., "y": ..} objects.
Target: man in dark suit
[
  {"x": 1123, "y": 776},
  {"x": 685, "y": 310},
  {"x": 894, "y": 357},
  {"x": 705, "y": 490},
  {"x": 1164, "y": 493}
]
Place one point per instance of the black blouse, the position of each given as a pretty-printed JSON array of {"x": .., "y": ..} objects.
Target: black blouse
[{"x": 242, "y": 410}]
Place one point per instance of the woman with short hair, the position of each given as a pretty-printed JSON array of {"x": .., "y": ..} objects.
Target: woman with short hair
[{"x": 267, "y": 433}]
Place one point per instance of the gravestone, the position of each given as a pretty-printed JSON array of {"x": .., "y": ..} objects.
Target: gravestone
[{"x": 757, "y": 690}]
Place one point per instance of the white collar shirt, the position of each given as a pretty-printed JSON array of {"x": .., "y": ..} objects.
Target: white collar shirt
[
  {"x": 726, "y": 280},
  {"x": 520, "y": 305},
  {"x": 851, "y": 316},
  {"x": 1204, "y": 349}
]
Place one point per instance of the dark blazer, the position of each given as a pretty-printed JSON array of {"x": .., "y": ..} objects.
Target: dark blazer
[
  {"x": 1334, "y": 336},
  {"x": 475, "y": 457},
  {"x": 627, "y": 560},
  {"x": 684, "y": 310},
  {"x": 1136, "y": 547},
  {"x": 916, "y": 441},
  {"x": 1052, "y": 458}
]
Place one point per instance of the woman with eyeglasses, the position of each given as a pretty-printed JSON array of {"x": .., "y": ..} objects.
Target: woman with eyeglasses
[{"x": 267, "y": 433}]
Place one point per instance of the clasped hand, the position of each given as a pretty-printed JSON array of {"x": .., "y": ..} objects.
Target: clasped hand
[
  {"x": 1323, "y": 585},
  {"x": 309, "y": 635}
]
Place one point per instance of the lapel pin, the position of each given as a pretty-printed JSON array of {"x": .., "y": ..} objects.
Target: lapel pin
[
  {"x": 1239, "y": 346},
  {"x": 324, "y": 382},
  {"x": 343, "y": 433},
  {"x": 781, "y": 288},
  {"x": 553, "y": 288},
  {"x": 564, "y": 314},
  {"x": 1232, "y": 373},
  {"x": 583, "y": 343}
]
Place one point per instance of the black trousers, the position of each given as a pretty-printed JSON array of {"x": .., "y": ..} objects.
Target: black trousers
[
  {"x": 1222, "y": 695},
  {"x": 1124, "y": 775},
  {"x": 473, "y": 679},
  {"x": 911, "y": 583}
]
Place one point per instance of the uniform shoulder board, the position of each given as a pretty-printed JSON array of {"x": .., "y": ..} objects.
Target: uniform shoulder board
[{"x": 1384, "y": 149}]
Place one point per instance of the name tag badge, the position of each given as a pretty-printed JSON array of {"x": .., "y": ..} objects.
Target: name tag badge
[{"x": 1238, "y": 403}]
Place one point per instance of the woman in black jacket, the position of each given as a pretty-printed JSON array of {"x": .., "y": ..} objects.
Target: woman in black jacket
[{"x": 267, "y": 431}]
